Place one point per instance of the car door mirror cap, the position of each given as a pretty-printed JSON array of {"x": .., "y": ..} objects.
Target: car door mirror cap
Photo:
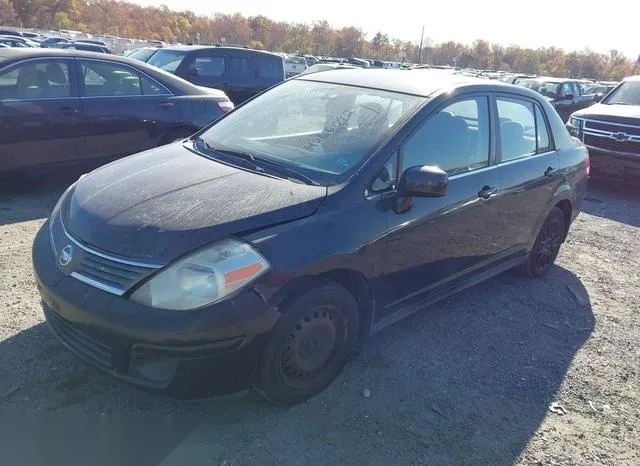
[
  {"x": 194, "y": 71},
  {"x": 423, "y": 181}
]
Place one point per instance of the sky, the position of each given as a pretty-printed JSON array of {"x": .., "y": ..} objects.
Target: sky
[{"x": 570, "y": 25}]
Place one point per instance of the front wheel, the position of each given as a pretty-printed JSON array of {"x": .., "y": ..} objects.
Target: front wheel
[
  {"x": 309, "y": 345},
  {"x": 547, "y": 245}
]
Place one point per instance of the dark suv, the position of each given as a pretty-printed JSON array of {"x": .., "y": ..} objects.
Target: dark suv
[
  {"x": 240, "y": 72},
  {"x": 563, "y": 94},
  {"x": 258, "y": 251},
  {"x": 611, "y": 132}
]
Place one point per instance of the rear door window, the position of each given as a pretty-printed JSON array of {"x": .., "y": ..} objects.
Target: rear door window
[
  {"x": 523, "y": 128},
  {"x": 104, "y": 79},
  {"x": 209, "y": 65},
  {"x": 270, "y": 69},
  {"x": 41, "y": 79}
]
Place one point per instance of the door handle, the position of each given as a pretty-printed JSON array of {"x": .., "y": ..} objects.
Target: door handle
[
  {"x": 549, "y": 171},
  {"x": 165, "y": 104},
  {"x": 487, "y": 191},
  {"x": 67, "y": 111}
]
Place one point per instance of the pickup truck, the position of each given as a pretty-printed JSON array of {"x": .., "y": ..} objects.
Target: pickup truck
[
  {"x": 563, "y": 94},
  {"x": 611, "y": 131}
]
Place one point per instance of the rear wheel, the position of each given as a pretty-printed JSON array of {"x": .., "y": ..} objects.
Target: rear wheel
[
  {"x": 310, "y": 344},
  {"x": 547, "y": 245}
]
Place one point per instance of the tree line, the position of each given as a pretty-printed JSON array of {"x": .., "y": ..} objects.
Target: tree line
[{"x": 123, "y": 19}]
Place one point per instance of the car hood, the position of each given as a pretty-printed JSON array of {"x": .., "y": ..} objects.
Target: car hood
[
  {"x": 161, "y": 204},
  {"x": 614, "y": 113}
]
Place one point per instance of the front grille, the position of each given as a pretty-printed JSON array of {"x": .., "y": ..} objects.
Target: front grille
[
  {"x": 97, "y": 351},
  {"x": 101, "y": 270},
  {"x": 115, "y": 275},
  {"x": 608, "y": 143},
  {"x": 612, "y": 127}
]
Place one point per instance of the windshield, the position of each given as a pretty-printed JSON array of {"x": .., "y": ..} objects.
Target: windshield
[
  {"x": 547, "y": 89},
  {"x": 628, "y": 93},
  {"x": 322, "y": 130},
  {"x": 296, "y": 60},
  {"x": 142, "y": 54},
  {"x": 167, "y": 60}
]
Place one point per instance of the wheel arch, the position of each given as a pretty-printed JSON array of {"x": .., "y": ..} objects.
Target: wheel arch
[{"x": 352, "y": 280}]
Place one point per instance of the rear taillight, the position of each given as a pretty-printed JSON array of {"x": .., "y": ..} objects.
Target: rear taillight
[
  {"x": 588, "y": 164},
  {"x": 225, "y": 106}
]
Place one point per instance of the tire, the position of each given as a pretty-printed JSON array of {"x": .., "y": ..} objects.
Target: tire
[
  {"x": 175, "y": 135},
  {"x": 309, "y": 345},
  {"x": 547, "y": 245}
]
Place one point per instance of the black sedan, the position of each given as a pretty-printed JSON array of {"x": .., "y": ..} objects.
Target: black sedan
[
  {"x": 59, "y": 106},
  {"x": 259, "y": 250}
]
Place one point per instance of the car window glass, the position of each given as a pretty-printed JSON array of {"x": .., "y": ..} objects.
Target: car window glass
[
  {"x": 385, "y": 180},
  {"x": 270, "y": 68},
  {"x": 576, "y": 89},
  {"x": 209, "y": 66},
  {"x": 456, "y": 138},
  {"x": 517, "y": 128},
  {"x": 566, "y": 89},
  {"x": 167, "y": 60},
  {"x": 544, "y": 142},
  {"x": 308, "y": 125},
  {"x": 151, "y": 87},
  {"x": 36, "y": 80},
  {"x": 103, "y": 79},
  {"x": 241, "y": 66}
]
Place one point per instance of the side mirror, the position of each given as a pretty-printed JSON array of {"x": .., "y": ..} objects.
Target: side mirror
[
  {"x": 425, "y": 181},
  {"x": 598, "y": 97},
  {"x": 567, "y": 97},
  {"x": 194, "y": 71}
]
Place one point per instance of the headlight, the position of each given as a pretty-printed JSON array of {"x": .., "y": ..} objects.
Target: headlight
[
  {"x": 203, "y": 278},
  {"x": 575, "y": 126}
]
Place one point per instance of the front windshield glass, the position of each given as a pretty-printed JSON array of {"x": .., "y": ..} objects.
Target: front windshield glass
[
  {"x": 546, "y": 88},
  {"x": 322, "y": 130},
  {"x": 627, "y": 93},
  {"x": 167, "y": 60}
]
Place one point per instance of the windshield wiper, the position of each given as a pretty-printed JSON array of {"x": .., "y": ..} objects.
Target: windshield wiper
[
  {"x": 289, "y": 172},
  {"x": 253, "y": 161}
]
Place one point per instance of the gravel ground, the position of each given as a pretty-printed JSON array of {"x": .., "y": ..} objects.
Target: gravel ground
[{"x": 511, "y": 371}]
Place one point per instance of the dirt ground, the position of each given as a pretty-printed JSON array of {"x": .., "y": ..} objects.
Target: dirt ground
[{"x": 513, "y": 371}]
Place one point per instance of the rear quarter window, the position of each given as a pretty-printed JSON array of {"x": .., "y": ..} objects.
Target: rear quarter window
[{"x": 269, "y": 68}]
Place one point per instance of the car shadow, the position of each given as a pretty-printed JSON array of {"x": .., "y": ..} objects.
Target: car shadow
[
  {"x": 467, "y": 381},
  {"x": 24, "y": 198},
  {"x": 618, "y": 202}
]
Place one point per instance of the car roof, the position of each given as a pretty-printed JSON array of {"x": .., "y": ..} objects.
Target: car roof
[
  {"x": 188, "y": 48},
  {"x": 421, "y": 82}
]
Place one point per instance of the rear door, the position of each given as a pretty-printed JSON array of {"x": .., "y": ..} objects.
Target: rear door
[
  {"x": 242, "y": 77},
  {"x": 528, "y": 171},
  {"x": 123, "y": 110},
  {"x": 39, "y": 114}
]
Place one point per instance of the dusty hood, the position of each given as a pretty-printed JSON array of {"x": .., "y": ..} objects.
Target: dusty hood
[
  {"x": 160, "y": 204},
  {"x": 615, "y": 113}
]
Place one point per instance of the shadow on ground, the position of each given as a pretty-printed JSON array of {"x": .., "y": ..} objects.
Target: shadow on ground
[
  {"x": 29, "y": 198},
  {"x": 467, "y": 381},
  {"x": 617, "y": 202}
]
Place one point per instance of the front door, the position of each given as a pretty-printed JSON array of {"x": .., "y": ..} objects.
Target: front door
[
  {"x": 122, "y": 110},
  {"x": 39, "y": 111},
  {"x": 433, "y": 241},
  {"x": 528, "y": 171}
]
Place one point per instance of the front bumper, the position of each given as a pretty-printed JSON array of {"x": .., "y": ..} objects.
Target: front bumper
[
  {"x": 618, "y": 166},
  {"x": 184, "y": 354}
]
